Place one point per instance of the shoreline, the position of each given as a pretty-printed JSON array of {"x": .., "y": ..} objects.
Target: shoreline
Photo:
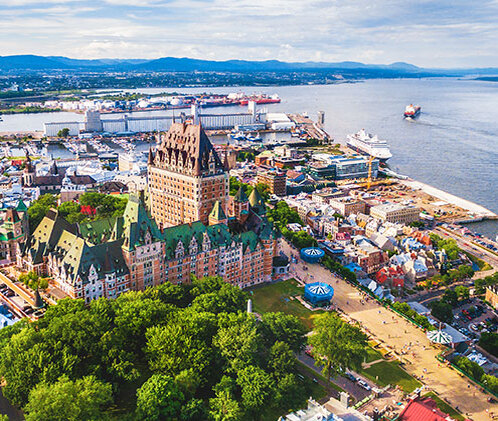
[{"x": 480, "y": 212}]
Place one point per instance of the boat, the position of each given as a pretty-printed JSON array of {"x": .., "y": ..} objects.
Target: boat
[
  {"x": 366, "y": 144},
  {"x": 256, "y": 138},
  {"x": 412, "y": 111},
  {"x": 261, "y": 99},
  {"x": 238, "y": 136}
]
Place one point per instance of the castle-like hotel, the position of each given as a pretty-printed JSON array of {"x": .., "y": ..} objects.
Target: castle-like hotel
[{"x": 186, "y": 223}]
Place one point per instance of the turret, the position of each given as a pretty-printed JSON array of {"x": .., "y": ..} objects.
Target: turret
[{"x": 217, "y": 215}]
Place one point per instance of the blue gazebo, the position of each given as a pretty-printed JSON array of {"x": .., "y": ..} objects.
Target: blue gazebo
[
  {"x": 312, "y": 254},
  {"x": 318, "y": 293}
]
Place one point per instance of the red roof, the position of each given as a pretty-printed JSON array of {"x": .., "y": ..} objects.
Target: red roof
[{"x": 422, "y": 410}]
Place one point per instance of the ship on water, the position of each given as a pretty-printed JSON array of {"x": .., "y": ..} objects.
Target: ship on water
[
  {"x": 366, "y": 144},
  {"x": 412, "y": 111}
]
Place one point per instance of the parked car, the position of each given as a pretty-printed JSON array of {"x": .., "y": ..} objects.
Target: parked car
[
  {"x": 350, "y": 377},
  {"x": 364, "y": 385}
]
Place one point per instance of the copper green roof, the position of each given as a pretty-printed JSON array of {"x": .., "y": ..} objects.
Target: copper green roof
[
  {"x": 136, "y": 224},
  {"x": 256, "y": 202},
  {"x": 98, "y": 231},
  {"x": 21, "y": 206},
  {"x": 218, "y": 235},
  {"x": 217, "y": 213},
  {"x": 241, "y": 195}
]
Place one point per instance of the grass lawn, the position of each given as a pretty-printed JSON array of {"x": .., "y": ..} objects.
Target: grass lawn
[
  {"x": 276, "y": 297},
  {"x": 384, "y": 373},
  {"x": 443, "y": 406},
  {"x": 373, "y": 355},
  {"x": 479, "y": 262}
]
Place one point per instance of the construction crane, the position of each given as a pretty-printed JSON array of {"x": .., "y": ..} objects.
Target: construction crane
[{"x": 369, "y": 179}]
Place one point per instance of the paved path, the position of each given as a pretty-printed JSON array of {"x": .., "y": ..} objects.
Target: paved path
[{"x": 396, "y": 333}]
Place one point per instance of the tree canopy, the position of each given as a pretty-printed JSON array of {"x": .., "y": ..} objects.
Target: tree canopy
[
  {"x": 337, "y": 345},
  {"x": 442, "y": 310},
  {"x": 91, "y": 206},
  {"x": 171, "y": 352}
]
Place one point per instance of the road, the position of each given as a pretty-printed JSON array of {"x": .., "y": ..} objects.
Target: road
[
  {"x": 395, "y": 333},
  {"x": 465, "y": 243},
  {"x": 351, "y": 387}
]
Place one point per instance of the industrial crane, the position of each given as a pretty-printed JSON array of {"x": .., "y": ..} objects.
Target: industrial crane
[{"x": 369, "y": 179}]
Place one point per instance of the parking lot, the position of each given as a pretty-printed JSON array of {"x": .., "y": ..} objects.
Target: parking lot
[{"x": 474, "y": 318}]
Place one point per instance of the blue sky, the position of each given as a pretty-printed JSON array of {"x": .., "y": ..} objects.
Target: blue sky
[{"x": 435, "y": 33}]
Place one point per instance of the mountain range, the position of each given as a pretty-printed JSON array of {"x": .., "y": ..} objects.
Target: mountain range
[{"x": 184, "y": 64}]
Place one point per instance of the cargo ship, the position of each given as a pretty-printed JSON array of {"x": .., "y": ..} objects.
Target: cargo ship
[
  {"x": 261, "y": 99},
  {"x": 412, "y": 111},
  {"x": 366, "y": 144}
]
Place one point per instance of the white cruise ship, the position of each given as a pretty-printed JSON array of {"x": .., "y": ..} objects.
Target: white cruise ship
[{"x": 366, "y": 144}]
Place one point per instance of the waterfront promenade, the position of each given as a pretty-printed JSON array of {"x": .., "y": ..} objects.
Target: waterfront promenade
[{"x": 395, "y": 333}]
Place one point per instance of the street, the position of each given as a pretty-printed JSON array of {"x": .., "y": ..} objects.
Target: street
[{"x": 349, "y": 386}]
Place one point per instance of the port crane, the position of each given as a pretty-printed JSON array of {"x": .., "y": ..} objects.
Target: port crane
[{"x": 369, "y": 179}]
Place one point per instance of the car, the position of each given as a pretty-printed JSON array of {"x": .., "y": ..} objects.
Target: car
[
  {"x": 9, "y": 293},
  {"x": 364, "y": 385},
  {"x": 350, "y": 377}
]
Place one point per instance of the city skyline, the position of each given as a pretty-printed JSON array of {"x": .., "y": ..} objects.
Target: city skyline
[{"x": 446, "y": 34}]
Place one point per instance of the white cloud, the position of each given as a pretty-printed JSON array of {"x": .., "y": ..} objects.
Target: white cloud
[{"x": 443, "y": 33}]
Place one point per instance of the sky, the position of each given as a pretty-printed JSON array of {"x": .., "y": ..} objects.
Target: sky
[{"x": 427, "y": 33}]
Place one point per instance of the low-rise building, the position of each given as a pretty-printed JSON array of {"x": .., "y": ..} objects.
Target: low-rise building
[
  {"x": 492, "y": 295},
  {"x": 347, "y": 205},
  {"x": 394, "y": 212},
  {"x": 275, "y": 180}
]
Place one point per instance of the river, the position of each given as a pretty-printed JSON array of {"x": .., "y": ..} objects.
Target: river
[{"x": 453, "y": 145}]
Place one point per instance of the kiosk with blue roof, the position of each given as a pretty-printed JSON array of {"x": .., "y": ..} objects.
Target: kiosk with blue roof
[
  {"x": 318, "y": 293},
  {"x": 312, "y": 254}
]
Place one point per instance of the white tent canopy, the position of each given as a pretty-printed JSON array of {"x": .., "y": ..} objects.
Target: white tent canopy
[{"x": 439, "y": 337}]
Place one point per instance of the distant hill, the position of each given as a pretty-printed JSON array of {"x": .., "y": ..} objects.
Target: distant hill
[{"x": 184, "y": 64}]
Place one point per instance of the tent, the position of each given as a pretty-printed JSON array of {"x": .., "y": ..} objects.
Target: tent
[{"x": 439, "y": 337}]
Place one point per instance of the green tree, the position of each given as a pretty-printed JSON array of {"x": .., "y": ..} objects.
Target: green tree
[
  {"x": 238, "y": 340},
  {"x": 489, "y": 341},
  {"x": 257, "y": 388},
  {"x": 159, "y": 398},
  {"x": 224, "y": 407},
  {"x": 183, "y": 344},
  {"x": 442, "y": 311},
  {"x": 282, "y": 215},
  {"x": 282, "y": 360},
  {"x": 491, "y": 382},
  {"x": 39, "y": 208},
  {"x": 462, "y": 292},
  {"x": 63, "y": 132},
  {"x": 337, "y": 345},
  {"x": 194, "y": 409},
  {"x": 450, "y": 297},
  {"x": 283, "y": 327},
  {"x": 289, "y": 393},
  {"x": 67, "y": 400},
  {"x": 470, "y": 367}
]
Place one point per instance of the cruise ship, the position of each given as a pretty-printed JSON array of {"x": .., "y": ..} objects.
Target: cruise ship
[{"x": 366, "y": 144}]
